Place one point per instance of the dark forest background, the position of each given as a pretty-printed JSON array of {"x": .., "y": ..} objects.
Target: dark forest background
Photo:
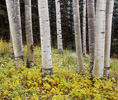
[{"x": 67, "y": 24}]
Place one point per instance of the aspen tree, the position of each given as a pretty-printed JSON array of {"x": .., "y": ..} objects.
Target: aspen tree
[
  {"x": 109, "y": 15},
  {"x": 19, "y": 30},
  {"x": 91, "y": 31},
  {"x": 45, "y": 37},
  {"x": 29, "y": 33},
  {"x": 59, "y": 30},
  {"x": 13, "y": 9},
  {"x": 78, "y": 36},
  {"x": 84, "y": 28},
  {"x": 100, "y": 38}
]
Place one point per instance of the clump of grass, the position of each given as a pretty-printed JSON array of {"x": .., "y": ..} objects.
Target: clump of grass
[
  {"x": 4, "y": 47},
  {"x": 114, "y": 68}
]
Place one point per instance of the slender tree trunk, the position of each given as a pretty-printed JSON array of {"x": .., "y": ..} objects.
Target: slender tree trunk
[
  {"x": 29, "y": 33},
  {"x": 18, "y": 23},
  {"x": 91, "y": 29},
  {"x": 59, "y": 30},
  {"x": 100, "y": 38},
  {"x": 15, "y": 28},
  {"x": 109, "y": 15},
  {"x": 78, "y": 36},
  {"x": 45, "y": 37},
  {"x": 84, "y": 28}
]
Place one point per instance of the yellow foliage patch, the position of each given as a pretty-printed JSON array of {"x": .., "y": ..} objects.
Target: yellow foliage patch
[{"x": 64, "y": 84}]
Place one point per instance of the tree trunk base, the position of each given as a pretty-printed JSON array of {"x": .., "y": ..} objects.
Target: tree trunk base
[
  {"x": 60, "y": 51},
  {"x": 30, "y": 64},
  {"x": 47, "y": 71}
]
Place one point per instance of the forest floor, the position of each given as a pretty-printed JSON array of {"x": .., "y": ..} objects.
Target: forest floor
[{"x": 64, "y": 84}]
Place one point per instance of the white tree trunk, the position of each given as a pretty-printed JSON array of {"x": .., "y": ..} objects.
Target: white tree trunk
[
  {"x": 78, "y": 36},
  {"x": 100, "y": 38},
  {"x": 109, "y": 15},
  {"x": 15, "y": 28},
  {"x": 59, "y": 30},
  {"x": 84, "y": 28},
  {"x": 45, "y": 37},
  {"x": 91, "y": 29},
  {"x": 29, "y": 33},
  {"x": 19, "y": 31}
]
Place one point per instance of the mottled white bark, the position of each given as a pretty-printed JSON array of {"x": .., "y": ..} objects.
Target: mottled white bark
[
  {"x": 59, "y": 30},
  {"x": 11, "y": 44},
  {"x": 84, "y": 28},
  {"x": 45, "y": 37},
  {"x": 109, "y": 15},
  {"x": 13, "y": 9},
  {"x": 100, "y": 38},
  {"x": 78, "y": 36},
  {"x": 91, "y": 31},
  {"x": 19, "y": 30},
  {"x": 29, "y": 33}
]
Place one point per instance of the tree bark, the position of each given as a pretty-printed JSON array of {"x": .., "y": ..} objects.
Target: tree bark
[
  {"x": 59, "y": 30},
  {"x": 100, "y": 38},
  {"x": 11, "y": 44},
  {"x": 78, "y": 36},
  {"x": 13, "y": 9},
  {"x": 45, "y": 37},
  {"x": 84, "y": 28},
  {"x": 91, "y": 29},
  {"x": 29, "y": 33},
  {"x": 109, "y": 15}
]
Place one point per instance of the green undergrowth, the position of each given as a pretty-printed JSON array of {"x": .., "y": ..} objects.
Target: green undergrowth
[{"x": 64, "y": 84}]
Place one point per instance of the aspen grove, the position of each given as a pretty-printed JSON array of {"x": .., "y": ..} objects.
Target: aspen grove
[{"x": 58, "y": 50}]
